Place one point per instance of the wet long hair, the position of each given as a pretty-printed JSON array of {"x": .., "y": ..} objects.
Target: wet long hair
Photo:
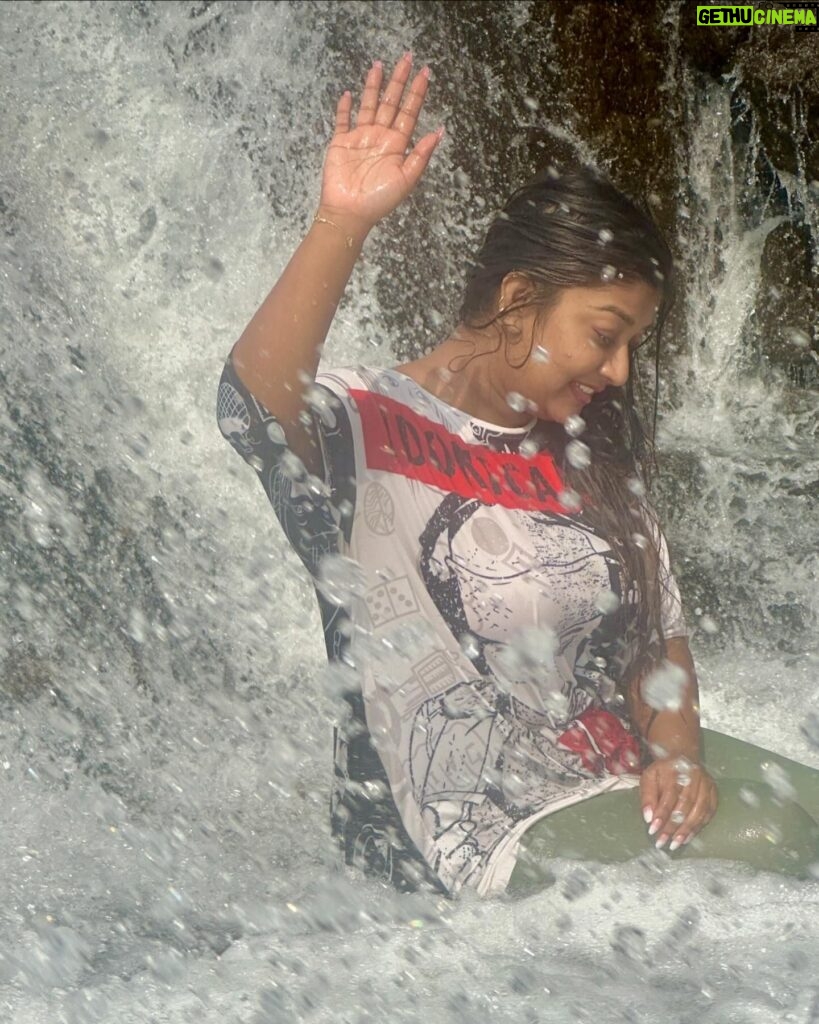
[{"x": 572, "y": 229}]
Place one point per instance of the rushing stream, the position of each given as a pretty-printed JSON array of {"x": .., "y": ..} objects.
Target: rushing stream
[{"x": 165, "y": 718}]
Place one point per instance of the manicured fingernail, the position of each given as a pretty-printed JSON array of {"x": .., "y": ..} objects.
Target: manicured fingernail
[
  {"x": 661, "y": 842},
  {"x": 687, "y": 840},
  {"x": 648, "y": 814},
  {"x": 425, "y": 71},
  {"x": 674, "y": 845},
  {"x": 655, "y": 826},
  {"x": 378, "y": 64}
]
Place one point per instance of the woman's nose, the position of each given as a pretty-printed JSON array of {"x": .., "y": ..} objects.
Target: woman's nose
[{"x": 616, "y": 368}]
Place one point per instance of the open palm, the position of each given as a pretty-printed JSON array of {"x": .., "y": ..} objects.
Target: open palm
[{"x": 367, "y": 170}]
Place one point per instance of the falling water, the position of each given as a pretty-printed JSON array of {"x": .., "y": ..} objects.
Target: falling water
[
  {"x": 164, "y": 747},
  {"x": 743, "y": 443}
]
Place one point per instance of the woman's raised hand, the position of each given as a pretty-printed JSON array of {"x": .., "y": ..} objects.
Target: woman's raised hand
[{"x": 367, "y": 170}]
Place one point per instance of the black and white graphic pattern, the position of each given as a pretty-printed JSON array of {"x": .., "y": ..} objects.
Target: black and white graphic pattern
[{"x": 482, "y": 633}]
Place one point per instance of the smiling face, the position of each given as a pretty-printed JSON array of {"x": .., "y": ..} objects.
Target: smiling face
[{"x": 581, "y": 345}]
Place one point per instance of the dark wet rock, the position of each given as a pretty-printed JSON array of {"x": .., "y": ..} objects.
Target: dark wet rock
[
  {"x": 781, "y": 75},
  {"x": 787, "y": 304},
  {"x": 777, "y": 71},
  {"x": 557, "y": 80}
]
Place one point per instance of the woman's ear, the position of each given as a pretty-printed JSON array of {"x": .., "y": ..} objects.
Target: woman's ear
[
  {"x": 516, "y": 289},
  {"x": 515, "y": 295}
]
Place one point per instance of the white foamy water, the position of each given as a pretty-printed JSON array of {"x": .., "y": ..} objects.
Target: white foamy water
[{"x": 165, "y": 736}]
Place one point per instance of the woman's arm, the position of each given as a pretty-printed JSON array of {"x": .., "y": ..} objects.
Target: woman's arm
[
  {"x": 367, "y": 173},
  {"x": 679, "y": 797},
  {"x": 671, "y": 733}
]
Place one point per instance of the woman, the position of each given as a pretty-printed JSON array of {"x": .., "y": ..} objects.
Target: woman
[{"x": 495, "y": 591}]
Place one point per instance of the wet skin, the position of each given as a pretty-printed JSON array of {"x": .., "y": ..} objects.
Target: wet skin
[{"x": 556, "y": 359}]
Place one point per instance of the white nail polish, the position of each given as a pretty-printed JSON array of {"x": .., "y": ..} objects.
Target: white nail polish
[
  {"x": 661, "y": 842},
  {"x": 654, "y": 828},
  {"x": 648, "y": 814},
  {"x": 674, "y": 846}
]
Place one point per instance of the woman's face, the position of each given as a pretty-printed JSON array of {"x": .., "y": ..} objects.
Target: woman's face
[{"x": 581, "y": 346}]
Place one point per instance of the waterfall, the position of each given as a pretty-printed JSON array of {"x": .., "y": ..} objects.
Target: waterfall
[{"x": 166, "y": 723}]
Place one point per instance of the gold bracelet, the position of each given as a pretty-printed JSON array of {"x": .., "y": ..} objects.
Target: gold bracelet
[{"x": 348, "y": 239}]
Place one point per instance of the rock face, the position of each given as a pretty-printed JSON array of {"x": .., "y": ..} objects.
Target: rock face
[
  {"x": 778, "y": 72},
  {"x": 788, "y": 304},
  {"x": 613, "y": 82}
]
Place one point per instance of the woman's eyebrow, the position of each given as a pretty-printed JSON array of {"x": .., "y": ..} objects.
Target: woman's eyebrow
[{"x": 618, "y": 312}]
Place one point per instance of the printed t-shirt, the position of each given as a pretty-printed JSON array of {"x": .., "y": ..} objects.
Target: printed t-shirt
[{"x": 475, "y": 620}]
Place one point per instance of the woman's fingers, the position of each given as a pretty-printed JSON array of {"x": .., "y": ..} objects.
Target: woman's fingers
[
  {"x": 391, "y": 100},
  {"x": 408, "y": 114},
  {"x": 392, "y": 109},
  {"x": 369, "y": 98},
  {"x": 674, "y": 811},
  {"x": 416, "y": 162},
  {"x": 698, "y": 812},
  {"x": 343, "y": 108},
  {"x": 662, "y": 815},
  {"x": 649, "y": 795}
]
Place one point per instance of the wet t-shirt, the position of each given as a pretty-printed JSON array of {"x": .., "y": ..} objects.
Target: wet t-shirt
[{"x": 476, "y": 621}]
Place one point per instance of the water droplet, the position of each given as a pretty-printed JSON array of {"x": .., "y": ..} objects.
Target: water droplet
[
  {"x": 469, "y": 645},
  {"x": 640, "y": 540},
  {"x": 570, "y": 500},
  {"x": 137, "y": 625},
  {"x": 636, "y": 486},
  {"x": 540, "y": 355},
  {"x": 796, "y": 336},
  {"x": 531, "y": 102},
  {"x": 577, "y": 884},
  {"x": 683, "y": 768},
  {"x": 607, "y": 602},
  {"x": 779, "y": 781},
  {"x": 528, "y": 658},
  {"x": 291, "y": 466},
  {"x": 608, "y": 273},
  {"x": 578, "y": 454},
  {"x": 605, "y": 236},
  {"x": 663, "y": 689},
  {"x": 516, "y": 401},
  {"x": 529, "y": 448},
  {"x": 708, "y": 625},
  {"x": 574, "y": 426},
  {"x": 340, "y": 579},
  {"x": 772, "y": 833},
  {"x": 630, "y": 942},
  {"x": 748, "y": 797},
  {"x": 276, "y": 433},
  {"x": 321, "y": 402}
]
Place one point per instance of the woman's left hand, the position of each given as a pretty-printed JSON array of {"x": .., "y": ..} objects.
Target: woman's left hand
[{"x": 678, "y": 798}]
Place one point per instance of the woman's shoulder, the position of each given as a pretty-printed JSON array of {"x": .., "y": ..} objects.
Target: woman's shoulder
[
  {"x": 356, "y": 383},
  {"x": 344, "y": 379}
]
